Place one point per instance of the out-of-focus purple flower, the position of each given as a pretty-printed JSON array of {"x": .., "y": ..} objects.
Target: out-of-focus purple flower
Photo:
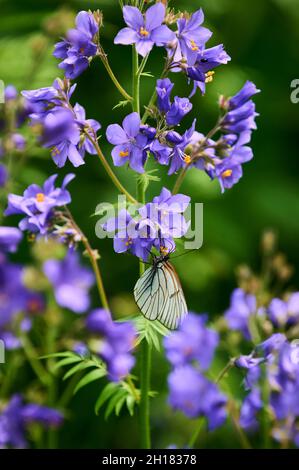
[
  {"x": 191, "y": 37},
  {"x": 16, "y": 416},
  {"x": 248, "y": 362},
  {"x": 38, "y": 202},
  {"x": 71, "y": 282},
  {"x": 18, "y": 141},
  {"x": 249, "y": 410},
  {"x": 10, "y": 93},
  {"x": 270, "y": 345},
  {"x": 129, "y": 143},
  {"x": 3, "y": 175},
  {"x": 201, "y": 72},
  {"x": 193, "y": 341},
  {"x": 145, "y": 31},
  {"x": 117, "y": 343},
  {"x": 242, "y": 308},
  {"x": 284, "y": 313},
  {"x": 79, "y": 46},
  {"x": 10, "y": 237},
  {"x": 80, "y": 348},
  {"x": 194, "y": 395}
]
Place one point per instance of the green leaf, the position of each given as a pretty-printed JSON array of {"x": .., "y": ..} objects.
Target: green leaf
[
  {"x": 130, "y": 402},
  {"x": 106, "y": 393},
  {"x": 120, "y": 404},
  {"x": 66, "y": 361},
  {"x": 121, "y": 104},
  {"x": 147, "y": 74},
  {"x": 76, "y": 368},
  {"x": 90, "y": 377},
  {"x": 113, "y": 402},
  {"x": 59, "y": 354}
]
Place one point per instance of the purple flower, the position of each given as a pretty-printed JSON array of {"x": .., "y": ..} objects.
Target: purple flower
[
  {"x": 192, "y": 342},
  {"x": 64, "y": 127},
  {"x": 201, "y": 72},
  {"x": 248, "y": 362},
  {"x": 228, "y": 173},
  {"x": 179, "y": 108},
  {"x": 18, "y": 141},
  {"x": 249, "y": 410},
  {"x": 191, "y": 37},
  {"x": 3, "y": 175},
  {"x": 242, "y": 307},
  {"x": 129, "y": 143},
  {"x": 10, "y": 93},
  {"x": 16, "y": 416},
  {"x": 146, "y": 31},
  {"x": 38, "y": 203},
  {"x": 79, "y": 46},
  {"x": 118, "y": 340},
  {"x": 271, "y": 345},
  {"x": 178, "y": 157},
  {"x": 238, "y": 100},
  {"x": 71, "y": 282},
  {"x": 10, "y": 237},
  {"x": 163, "y": 89},
  {"x": 80, "y": 348},
  {"x": 283, "y": 313},
  {"x": 194, "y": 395},
  {"x": 174, "y": 111}
]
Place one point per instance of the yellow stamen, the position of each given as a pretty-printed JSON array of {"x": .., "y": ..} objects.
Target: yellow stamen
[
  {"x": 164, "y": 250},
  {"x": 55, "y": 151},
  {"x": 129, "y": 242},
  {"x": 187, "y": 159},
  {"x": 124, "y": 153},
  {"x": 193, "y": 45},
  {"x": 143, "y": 32},
  {"x": 209, "y": 76},
  {"x": 40, "y": 197},
  {"x": 227, "y": 173}
]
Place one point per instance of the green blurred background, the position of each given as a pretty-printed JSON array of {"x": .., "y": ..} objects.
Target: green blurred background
[{"x": 262, "y": 38}]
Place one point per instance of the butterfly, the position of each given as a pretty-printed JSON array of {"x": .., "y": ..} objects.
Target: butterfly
[{"x": 159, "y": 295}]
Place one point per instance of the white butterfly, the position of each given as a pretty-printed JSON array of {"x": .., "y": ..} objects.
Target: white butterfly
[{"x": 159, "y": 295}]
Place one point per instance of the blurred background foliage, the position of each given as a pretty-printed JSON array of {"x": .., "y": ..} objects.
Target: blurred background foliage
[{"x": 262, "y": 38}]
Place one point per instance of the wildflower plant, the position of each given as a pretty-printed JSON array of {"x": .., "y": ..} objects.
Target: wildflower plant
[{"x": 97, "y": 347}]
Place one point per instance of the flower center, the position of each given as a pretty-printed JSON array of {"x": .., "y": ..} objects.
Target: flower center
[
  {"x": 163, "y": 250},
  {"x": 143, "y": 32},
  {"x": 40, "y": 197},
  {"x": 194, "y": 47},
  {"x": 227, "y": 173},
  {"x": 55, "y": 151},
  {"x": 124, "y": 153},
  {"x": 209, "y": 76},
  {"x": 129, "y": 242},
  {"x": 187, "y": 159}
]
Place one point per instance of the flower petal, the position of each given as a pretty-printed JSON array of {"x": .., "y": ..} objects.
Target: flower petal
[
  {"x": 116, "y": 135},
  {"x": 162, "y": 35},
  {"x": 131, "y": 124},
  {"x": 126, "y": 36},
  {"x": 133, "y": 17},
  {"x": 154, "y": 16}
]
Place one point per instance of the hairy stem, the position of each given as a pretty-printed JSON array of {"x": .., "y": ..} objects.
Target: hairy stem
[
  {"x": 109, "y": 170},
  {"x": 93, "y": 260}
]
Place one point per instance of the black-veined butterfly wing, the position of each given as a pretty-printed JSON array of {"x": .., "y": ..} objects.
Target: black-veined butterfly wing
[{"x": 159, "y": 295}]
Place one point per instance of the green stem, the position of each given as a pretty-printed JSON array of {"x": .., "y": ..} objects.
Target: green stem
[
  {"x": 106, "y": 64},
  {"x": 109, "y": 170},
  {"x": 179, "y": 180},
  {"x": 225, "y": 370},
  {"x": 196, "y": 433},
  {"x": 93, "y": 260},
  {"x": 136, "y": 81},
  {"x": 145, "y": 350},
  {"x": 32, "y": 357}
]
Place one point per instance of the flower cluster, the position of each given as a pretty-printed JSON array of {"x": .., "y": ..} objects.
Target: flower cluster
[
  {"x": 116, "y": 344},
  {"x": 274, "y": 364},
  {"x": 157, "y": 224},
  {"x": 16, "y": 417},
  {"x": 190, "y": 351},
  {"x": 38, "y": 204},
  {"x": 64, "y": 128},
  {"x": 244, "y": 310},
  {"x": 18, "y": 304},
  {"x": 71, "y": 282},
  {"x": 79, "y": 46}
]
